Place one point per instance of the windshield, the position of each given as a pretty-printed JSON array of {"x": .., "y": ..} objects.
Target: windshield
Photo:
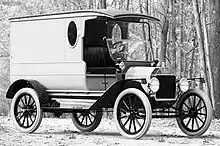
[{"x": 129, "y": 41}]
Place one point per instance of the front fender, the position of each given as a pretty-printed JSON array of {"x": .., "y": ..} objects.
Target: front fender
[{"x": 107, "y": 100}]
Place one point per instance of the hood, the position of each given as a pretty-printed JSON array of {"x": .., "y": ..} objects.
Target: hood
[
  {"x": 162, "y": 71},
  {"x": 146, "y": 72}
]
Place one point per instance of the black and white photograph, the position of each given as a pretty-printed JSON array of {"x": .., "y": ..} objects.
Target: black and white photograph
[{"x": 109, "y": 72}]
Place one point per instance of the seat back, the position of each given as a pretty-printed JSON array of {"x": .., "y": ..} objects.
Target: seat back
[{"x": 98, "y": 60}]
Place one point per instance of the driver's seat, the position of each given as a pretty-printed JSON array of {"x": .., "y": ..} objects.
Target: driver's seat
[{"x": 98, "y": 61}]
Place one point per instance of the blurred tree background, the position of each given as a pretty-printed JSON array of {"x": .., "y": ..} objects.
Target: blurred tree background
[{"x": 187, "y": 41}]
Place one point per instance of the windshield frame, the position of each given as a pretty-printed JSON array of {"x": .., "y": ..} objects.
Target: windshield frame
[{"x": 147, "y": 39}]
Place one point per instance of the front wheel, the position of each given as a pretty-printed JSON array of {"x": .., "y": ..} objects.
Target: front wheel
[
  {"x": 132, "y": 113},
  {"x": 87, "y": 121},
  {"x": 25, "y": 110},
  {"x": 195, "y": 112}
]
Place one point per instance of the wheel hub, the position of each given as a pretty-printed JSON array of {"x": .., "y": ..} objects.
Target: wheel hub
[
  {"x": 27, "y": 109},
  {"x": 193, "y": 113},
  {"x": 132, "y": 114}
]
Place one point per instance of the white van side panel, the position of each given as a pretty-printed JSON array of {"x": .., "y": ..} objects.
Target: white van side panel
[
  {"x": 40, "y": 51},
  {"x": 37, "y": 41},
  {"x": 54, "y": 76}
]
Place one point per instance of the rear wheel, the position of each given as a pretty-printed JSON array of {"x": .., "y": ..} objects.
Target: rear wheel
[
  {"x": 25, "y": 110},
  {"x": 195, "y": 112},
  {"x": 132, "y": 113},
  {"x": 87, "y": 121}
]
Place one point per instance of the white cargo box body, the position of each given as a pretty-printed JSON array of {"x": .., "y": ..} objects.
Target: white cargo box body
[{"x": 40, "y": 51}]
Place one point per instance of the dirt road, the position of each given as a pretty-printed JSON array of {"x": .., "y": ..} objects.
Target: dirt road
[{"x": 62, "y": 132}]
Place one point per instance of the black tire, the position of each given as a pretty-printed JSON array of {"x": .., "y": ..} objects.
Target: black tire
[
  {"x": 195, "y": 112},
  {"x": 25, "y": 110},
  {"x": 87, "y": 121},
  {"x": 132, "y": 113}
]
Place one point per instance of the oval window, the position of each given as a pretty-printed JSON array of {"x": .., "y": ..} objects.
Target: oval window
[
  {"x": 116, "y": 32},
  {"x": 72, "y": 33}
]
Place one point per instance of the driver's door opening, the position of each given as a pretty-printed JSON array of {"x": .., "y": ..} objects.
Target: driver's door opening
[{"x": 100, "y": 67}]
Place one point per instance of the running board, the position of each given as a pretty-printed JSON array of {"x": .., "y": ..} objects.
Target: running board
[
  {"x": 75, "y": 103},
  {"x": 62, "y": 110},
  {"x": 74, "y": 91},
  {"x": 76, "y": 94},
  {"x": 75, "y": 99}
]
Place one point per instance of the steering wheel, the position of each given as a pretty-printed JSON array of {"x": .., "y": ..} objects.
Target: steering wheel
[
  {"x": 118, "y": 46},
  {"x": 119, "y": 43}
]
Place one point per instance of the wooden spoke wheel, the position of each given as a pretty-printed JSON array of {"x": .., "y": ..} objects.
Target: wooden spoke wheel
[
  {"x": 25, "y": 110},
  {"x": 87, "y": 121},
  {"x": 195, "y": 112},
  {"x": 132, "y": 113}
]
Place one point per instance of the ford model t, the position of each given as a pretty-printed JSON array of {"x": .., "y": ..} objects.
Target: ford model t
[{"x": 85, "y": 61}]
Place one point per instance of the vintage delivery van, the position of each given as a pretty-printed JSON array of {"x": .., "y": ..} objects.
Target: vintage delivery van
[{"x": 82, "y": 62}]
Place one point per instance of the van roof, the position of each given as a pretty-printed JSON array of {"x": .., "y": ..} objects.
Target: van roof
[{"x": 110, "y": 13}]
